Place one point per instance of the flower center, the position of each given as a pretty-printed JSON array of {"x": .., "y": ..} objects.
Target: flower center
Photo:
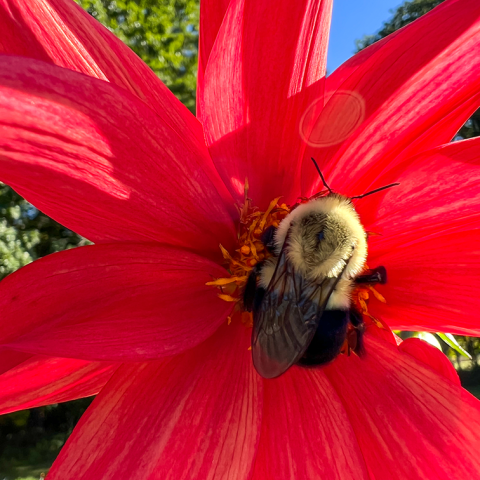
[{"x": 253, "y": 226}]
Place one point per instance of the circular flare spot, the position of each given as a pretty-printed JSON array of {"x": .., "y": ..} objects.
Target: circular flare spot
[{"x": 324, "y": 126}]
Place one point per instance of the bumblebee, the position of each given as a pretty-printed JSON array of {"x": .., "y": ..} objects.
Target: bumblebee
[{"x": 301, "y": 295}]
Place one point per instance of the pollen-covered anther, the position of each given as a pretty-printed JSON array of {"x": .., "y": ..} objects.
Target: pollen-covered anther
[
  {"x": 361, "y": 297},
  {"x": 249, "y": 253}
]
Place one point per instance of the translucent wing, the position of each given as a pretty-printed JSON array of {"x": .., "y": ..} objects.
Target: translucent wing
[{"x": 286, "y": 320}]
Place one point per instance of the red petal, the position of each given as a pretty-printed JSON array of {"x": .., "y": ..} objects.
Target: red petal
[
  {"x": 409, "y": 421},
  {"x": 306, "y": 433},
  {"x": 267, "y": 65},
  {"x": 100, "y": 162},
  {"x": 439, "y": 191},
  {"x": 212, "y": 13},
  {"x": 431, "y": 356},
  {"x": 61, "y": 32},
  {"x": 192, "y": 416},
  {"x": 403, "y": 98},
  {"x": 11, "y": 358},
  {"x": 42, "y": 381},
  {"x": 432, "y": 285},
  {"x": 429, "y": 226},
  {"x": 112, "y": 302}
]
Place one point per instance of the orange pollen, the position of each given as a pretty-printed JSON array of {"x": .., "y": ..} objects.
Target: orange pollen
[
  {"x": 251, "y": 251},
  {"x": 361, "y": 297}
]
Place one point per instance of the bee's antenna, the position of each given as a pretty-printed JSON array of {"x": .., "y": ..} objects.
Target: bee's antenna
[
  {"x": 376, "y": 190},
  {"x": 321, "y": 176}
]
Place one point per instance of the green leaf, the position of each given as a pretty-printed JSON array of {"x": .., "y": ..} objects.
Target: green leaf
[
  {"x": 429, "y": 338},
  {"x": 451, "y": 341}
]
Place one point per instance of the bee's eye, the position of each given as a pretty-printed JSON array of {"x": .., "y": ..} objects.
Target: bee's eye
[{"x": 321, "y": 236}]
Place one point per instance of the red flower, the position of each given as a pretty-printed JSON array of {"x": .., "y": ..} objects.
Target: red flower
[{"x": 125, "y": 165}]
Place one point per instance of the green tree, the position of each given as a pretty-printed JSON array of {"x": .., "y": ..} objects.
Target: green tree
[
  {"x": 27, "y": 234},
  {"x": 164, "y": 33}
]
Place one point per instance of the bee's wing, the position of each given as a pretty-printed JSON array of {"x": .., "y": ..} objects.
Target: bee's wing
[{"x": 287, "y": 318}]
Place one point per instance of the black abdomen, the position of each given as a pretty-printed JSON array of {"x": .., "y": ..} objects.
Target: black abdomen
[
  {"x": 331, "y": 334},
  {"x": 328, "y": 339}
]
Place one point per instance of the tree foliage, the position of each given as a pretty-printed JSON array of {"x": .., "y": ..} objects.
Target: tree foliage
[
  {"x": 403, "y": 15},
  {"x": 34, "y": 437},
  {"x": 164, "y": 33},
  {"x": 27, "y": 234}
]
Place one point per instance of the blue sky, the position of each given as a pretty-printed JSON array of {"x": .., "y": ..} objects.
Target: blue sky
[{"x": 353, "y": 19}]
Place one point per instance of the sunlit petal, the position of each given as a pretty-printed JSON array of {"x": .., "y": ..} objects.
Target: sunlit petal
[
  {"x": 100, "y": 162},
  {"x": 257, "y": 82}
]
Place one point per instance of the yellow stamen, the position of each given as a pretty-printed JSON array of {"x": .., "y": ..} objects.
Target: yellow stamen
[
  {"x": 227, "y": 256},
  {"x": 226, "y": 281},
  {"x": 361, "y": 299},
  {"x": 227, "y": 298},
  {"x": 377, "y": 295},
  {"x": 272, "y": 205},
  {"x": 250, "y": 252}
]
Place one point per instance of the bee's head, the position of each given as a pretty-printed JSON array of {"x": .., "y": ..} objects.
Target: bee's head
[{"x": 322, "y": 236}]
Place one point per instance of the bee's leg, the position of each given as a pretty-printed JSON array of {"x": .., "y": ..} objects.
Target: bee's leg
[
  {"x": 268, "y": 238},
  {"x": 253, "y": 294},
  {"x": 355, "y": 334},
  {"x": 376, "y": 275}
]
